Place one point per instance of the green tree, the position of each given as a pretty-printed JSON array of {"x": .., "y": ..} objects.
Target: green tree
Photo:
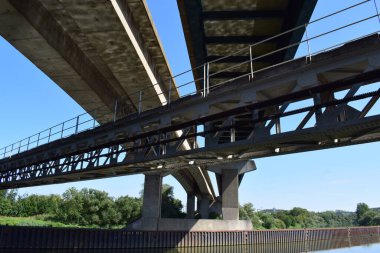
[
  {"x": 129, "y": 208},
  {"x": 361, "y": 209},
  {"x": 37, "y": 204},
  {"x": 247, "y": 212},
  {"x": 7, "y": 202},
  {"x": 170, "y": 206}
]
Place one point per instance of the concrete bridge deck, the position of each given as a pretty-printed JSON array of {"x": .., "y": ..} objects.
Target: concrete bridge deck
[{"x": 101, "y": 53}]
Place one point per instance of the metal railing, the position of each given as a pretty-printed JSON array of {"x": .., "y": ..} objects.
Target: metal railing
[{"x": 204, "y": 77}]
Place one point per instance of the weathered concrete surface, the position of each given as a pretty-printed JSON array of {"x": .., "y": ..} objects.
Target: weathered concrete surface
[
  {"x": 100, "y": 53},
  {"x": 190, "y": 225},
  {"x": 230, "y": 194},
  {"x": 152, "y": 196}
]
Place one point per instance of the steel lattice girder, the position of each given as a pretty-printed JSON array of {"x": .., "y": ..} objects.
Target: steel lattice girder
[{"x": 237, "y": 124}]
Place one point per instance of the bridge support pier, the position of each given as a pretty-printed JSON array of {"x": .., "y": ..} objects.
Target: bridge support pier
[
  {"x": 230, "y": 194},
  {"x": 152, "y": 196},
  {"x": 229, "y": 176},
  {"x": 190, "y": 205},
  {"x": 204, "y": 207}
]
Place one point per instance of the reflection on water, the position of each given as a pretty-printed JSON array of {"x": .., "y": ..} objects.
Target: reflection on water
[{"x": 369, "y": 244}]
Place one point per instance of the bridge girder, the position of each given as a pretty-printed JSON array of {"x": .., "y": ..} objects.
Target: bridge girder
[{"x": 241, "y": 121}]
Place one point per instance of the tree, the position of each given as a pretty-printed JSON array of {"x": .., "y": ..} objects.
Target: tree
[
  {"x": 247, "y": 212},
  {"x": 37, "y": 205},
  {"x": 129, "y": 208},
  {"x": 361, "y": 209},
  {"x": 170, "y": 206},
  {"x": 7, "y": 202}
]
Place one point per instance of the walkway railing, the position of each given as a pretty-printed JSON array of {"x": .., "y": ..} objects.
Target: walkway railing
[{"x": 208, "y": 74}]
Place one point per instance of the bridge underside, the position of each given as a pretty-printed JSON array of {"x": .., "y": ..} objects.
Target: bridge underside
[
  {"x": 239, "y": 125},
  {"x": 216, "y": 29},
  {"x": 101, "y": 53}
]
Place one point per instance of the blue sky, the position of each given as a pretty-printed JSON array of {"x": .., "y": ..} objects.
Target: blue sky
[{"x": 320, "y": 180}]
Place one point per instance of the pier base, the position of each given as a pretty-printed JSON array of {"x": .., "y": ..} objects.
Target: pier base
[{"x": 193, "y": 225}]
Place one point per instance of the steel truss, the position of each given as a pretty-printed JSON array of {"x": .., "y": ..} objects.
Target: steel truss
[{"x": 230, "y": 124}]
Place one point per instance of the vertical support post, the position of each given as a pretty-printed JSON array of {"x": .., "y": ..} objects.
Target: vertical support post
[
  {"x": 232, "y": 132},
  {"x": 5, "y": 150},
  {"x": 19, "y": 147},
  {"x": 38, "y": 139},
  {"x": 278, "y": 122},
  {"x": 208, "y": 78},
  {"x": 307, "y": 42},
  {"x": 11, "y": 149},
  {"x": 77, "y": 125},
  {"x": 152, "y": 196},
  {"x": 27, "y": 145},
  {"x": 190, "y": 205},
  {"x": 204, "y": 80},
  {"x": 63, "y": 128},
  {"x": 115, "y": 111},
  {"x": 140, "y": 102},
  {"x": 251, "y": 60},
  {"x": 49, "y": 135},
  {"x": 230, "y": 195}
]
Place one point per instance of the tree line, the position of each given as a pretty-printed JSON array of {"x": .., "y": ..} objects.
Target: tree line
[
  {"x": 85, "y": 207},
  {"x": 94, "y": 208}
]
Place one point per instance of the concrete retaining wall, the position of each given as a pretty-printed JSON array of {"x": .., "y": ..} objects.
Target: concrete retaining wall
[{"x": 56, "y": 238}]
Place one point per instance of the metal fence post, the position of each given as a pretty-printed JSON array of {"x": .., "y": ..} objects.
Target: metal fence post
[
  {"x": 208, "y": 78},
  {"x": 204, "y": 80},
  {"x": 27, "y": 145},
  {"x": 38, "y": 139},
  {"x": 251, "y": 60},
  {"x": 63, "y": 128},
  {"x": 49, "y": 135},
  {"x": 19, "y": 147},
  {"x": 307, "y": 42}
]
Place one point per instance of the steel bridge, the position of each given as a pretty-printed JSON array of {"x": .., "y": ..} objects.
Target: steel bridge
[{"x": 294, "y": 105}]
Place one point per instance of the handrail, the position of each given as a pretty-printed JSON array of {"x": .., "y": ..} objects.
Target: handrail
[{"x": 89, "y": 120}]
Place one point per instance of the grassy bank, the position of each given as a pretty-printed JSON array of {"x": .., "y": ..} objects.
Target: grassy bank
[{"x": 35, "y": 221}]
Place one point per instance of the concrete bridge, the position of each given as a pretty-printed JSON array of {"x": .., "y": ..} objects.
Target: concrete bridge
[{"x": 234, "y": 115}]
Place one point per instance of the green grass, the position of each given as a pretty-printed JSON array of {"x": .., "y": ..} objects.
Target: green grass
[{"x": 37, "y": 221}]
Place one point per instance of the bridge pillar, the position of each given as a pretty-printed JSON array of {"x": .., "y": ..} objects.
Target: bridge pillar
[
  {"x": 204, "y": 207},
  {"x": 230, "y": 194},
  {"x": 229, "y": 176},
  {"x": 152, "y": 196},
  {"x": 190, "y": 205}
]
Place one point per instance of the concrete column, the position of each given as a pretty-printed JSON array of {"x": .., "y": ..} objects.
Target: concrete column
[
  {"x": 230, "y": 195},
  {"x": 152, "y": 196},
  {"x": 190, "y": 205},
  {"x": 204, "y": 207}
]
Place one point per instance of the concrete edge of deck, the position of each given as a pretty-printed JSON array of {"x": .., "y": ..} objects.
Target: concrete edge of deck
[{"x": 74, "y": 238}]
